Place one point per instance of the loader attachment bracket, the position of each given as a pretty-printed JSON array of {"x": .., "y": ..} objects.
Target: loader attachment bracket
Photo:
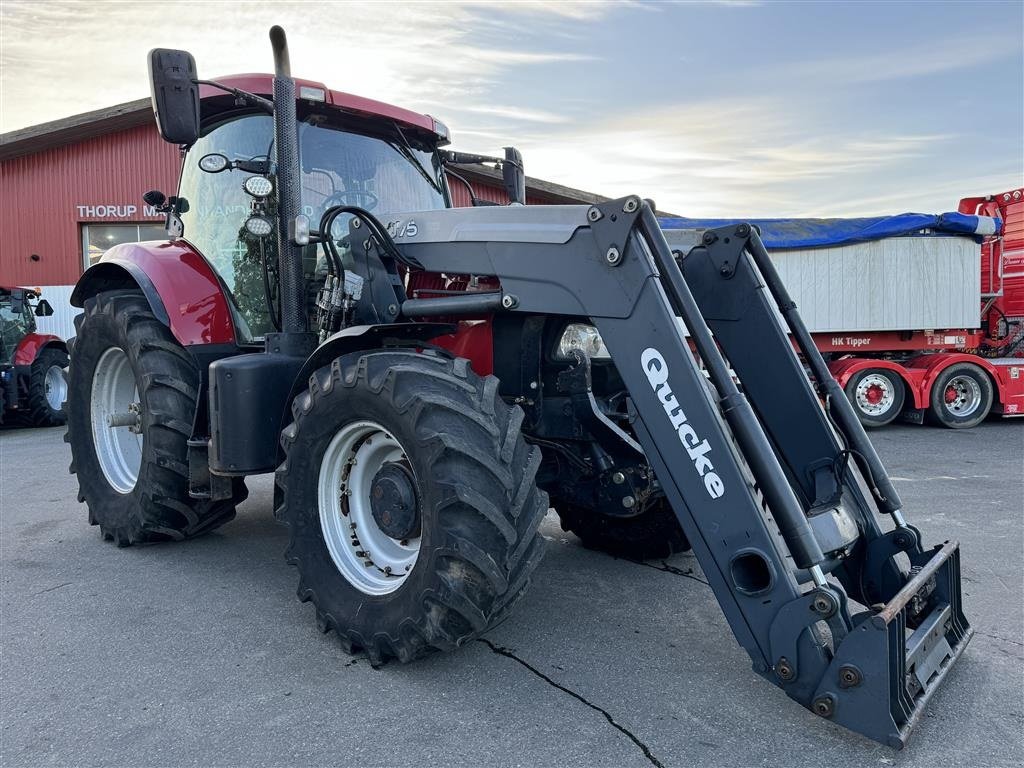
[{"x": 885, "y": 671}]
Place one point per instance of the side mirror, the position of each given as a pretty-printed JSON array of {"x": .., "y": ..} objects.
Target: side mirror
[
  {"x": 155, "y": 198},
  {"x": 175, "y": 93},
  {"x": 514, "y": 176},
  {"x": 43, "y": 308}
]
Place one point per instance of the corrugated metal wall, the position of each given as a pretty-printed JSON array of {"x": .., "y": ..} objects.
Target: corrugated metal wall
[
  {"x": 900, "y": 283},
  {"x": 41, "y": 193}
]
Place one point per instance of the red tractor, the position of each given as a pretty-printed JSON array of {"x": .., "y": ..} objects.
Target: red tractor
[
  {"x": 426, "y": 381},
  {"x": 32, "y": 365}
]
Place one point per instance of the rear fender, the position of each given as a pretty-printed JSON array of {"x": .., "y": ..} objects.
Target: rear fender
[
  {"x": 34, "y": 343},
  {"x": 845, "y": 369},
  {"x": 933, "y": 365},
  {"x": 182, "y": 289}
]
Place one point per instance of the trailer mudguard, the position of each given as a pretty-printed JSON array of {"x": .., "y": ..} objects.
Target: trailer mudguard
[
  {"x": 181, "y": 287},
  {"x": 755, "y": 484}
]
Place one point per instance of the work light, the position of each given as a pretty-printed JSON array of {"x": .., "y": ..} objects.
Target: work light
[
  {"x": 258, "y": 226},
  {"x": 259, "y": 187}
]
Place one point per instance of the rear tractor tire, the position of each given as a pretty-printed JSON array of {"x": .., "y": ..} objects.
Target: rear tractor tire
[
  {"x": 653, "y": 534},
  {"x": 409, "y": 496},
  {"x": 133, "y": 473},
  {"x": 47, "y": 388}
]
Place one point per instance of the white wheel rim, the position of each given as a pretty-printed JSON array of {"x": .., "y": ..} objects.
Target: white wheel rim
[
  {"x": 875, "y": 394},
  {"x": 55, "y": 387},
  {"x": 115, "y": 398},
  {"x": 961, "y": 396},
  {"x": 369, "y": 559}
]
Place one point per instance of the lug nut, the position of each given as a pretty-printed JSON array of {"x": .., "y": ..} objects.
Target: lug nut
[
  {"x": 628, "y": 502},
  {"x": 618, "y": 478}
]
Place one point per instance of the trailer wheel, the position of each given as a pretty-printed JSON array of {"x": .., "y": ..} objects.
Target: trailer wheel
[
  {"x": 131, "y": 400},
  {"x": 654, "y": 533},
  {"x": 877, "y": 396},
  {"x": 961, "y": 397},
  {"x": 411, "y": 503}
]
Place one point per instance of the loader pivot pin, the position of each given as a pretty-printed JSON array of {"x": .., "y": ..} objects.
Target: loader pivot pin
[{"x": 825, "y": 706}]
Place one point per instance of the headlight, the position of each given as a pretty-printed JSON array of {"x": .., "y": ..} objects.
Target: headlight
[{"x": 583, "y": 337}]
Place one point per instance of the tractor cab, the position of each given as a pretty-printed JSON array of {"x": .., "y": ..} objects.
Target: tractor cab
[{"x": 353, "y": 152}]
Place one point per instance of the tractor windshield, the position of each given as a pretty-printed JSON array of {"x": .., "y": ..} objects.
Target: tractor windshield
[
  {"x": 382, "y": 172},
  {"x": 16, "y": 321}
]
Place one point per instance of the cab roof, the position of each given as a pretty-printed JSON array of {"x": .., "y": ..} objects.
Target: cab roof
[{"x": 263, "y": 85}]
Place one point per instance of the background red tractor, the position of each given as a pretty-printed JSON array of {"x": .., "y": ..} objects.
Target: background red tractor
[{"x": 32, "y": 365}]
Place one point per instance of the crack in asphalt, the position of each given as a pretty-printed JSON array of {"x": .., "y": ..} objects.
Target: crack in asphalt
[
  {"x": 997, "y": 637},
  {"x": 689, "y": 574},
  {"x": 50, "y": 589},
  {"x": 502, "y": 651}
]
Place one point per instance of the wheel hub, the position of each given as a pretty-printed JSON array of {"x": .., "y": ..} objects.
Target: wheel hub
[{"x": 393, "y": 502}]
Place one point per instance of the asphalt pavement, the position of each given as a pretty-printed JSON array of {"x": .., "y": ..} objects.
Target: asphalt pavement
[{"x": 200, "y": 654}]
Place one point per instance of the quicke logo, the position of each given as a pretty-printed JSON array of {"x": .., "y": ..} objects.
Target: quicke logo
[{"x": 696, "y": 447}]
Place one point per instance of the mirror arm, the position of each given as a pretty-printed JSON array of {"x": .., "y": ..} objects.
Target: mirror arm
[{"x": 249, "y": 98}]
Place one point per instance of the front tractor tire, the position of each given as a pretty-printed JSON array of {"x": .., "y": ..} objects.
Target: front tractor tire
[
  {"x": 652, "y": 534},
  {"x": 131, "y": 401},
  {"x": 409, "y": 496}
]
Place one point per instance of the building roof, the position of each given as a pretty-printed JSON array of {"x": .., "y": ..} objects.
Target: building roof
[{"x": 70, "y": 130}]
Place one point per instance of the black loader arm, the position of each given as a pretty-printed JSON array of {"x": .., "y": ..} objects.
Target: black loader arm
[{"x": 768, "y": 489}]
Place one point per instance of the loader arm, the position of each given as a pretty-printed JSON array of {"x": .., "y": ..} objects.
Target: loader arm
[{"x": 766, "y": 483}]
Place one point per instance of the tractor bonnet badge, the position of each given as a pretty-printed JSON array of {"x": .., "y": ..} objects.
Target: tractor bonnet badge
[
  {"x": 399, "y": 228},
  {"x": 698, "y": 449}
]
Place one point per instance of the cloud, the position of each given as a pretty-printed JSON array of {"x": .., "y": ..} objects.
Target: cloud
[
  {"x": 60, "y": 58},
  {"x": 516, "y": 113},
  {"x": 910, "y": 61},
  {"x": 717, "y": 157}
]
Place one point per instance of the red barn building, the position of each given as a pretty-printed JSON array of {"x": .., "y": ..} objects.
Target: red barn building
[{"x": 73, "y": 188}]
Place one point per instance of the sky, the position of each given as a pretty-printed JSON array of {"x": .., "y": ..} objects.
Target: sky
[{"x": 749, "y": 109}]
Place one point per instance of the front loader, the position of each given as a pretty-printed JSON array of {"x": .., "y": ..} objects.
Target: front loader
[{"x": 426, "y": 381}]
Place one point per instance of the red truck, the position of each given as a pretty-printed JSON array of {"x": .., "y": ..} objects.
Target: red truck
[{"x": 919, "y": 316}]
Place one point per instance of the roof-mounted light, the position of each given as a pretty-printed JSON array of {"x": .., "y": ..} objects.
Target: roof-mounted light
[
  {"x": 311, "y": 93},
  {"x": 442, "y": 133}
]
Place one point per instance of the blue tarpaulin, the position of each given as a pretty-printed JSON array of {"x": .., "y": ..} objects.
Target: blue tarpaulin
[{"x": 814, "y": 233}]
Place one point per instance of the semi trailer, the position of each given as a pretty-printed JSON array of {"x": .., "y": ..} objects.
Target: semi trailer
[{"x": 919, "y": 317}]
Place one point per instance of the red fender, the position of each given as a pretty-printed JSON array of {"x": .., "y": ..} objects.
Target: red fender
[
  {"x": 32, "y": 344},
  {"x": 933, "y": 365},
  {"x": 846, "y": 368},
  {"x": 181, "y": 287}
]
